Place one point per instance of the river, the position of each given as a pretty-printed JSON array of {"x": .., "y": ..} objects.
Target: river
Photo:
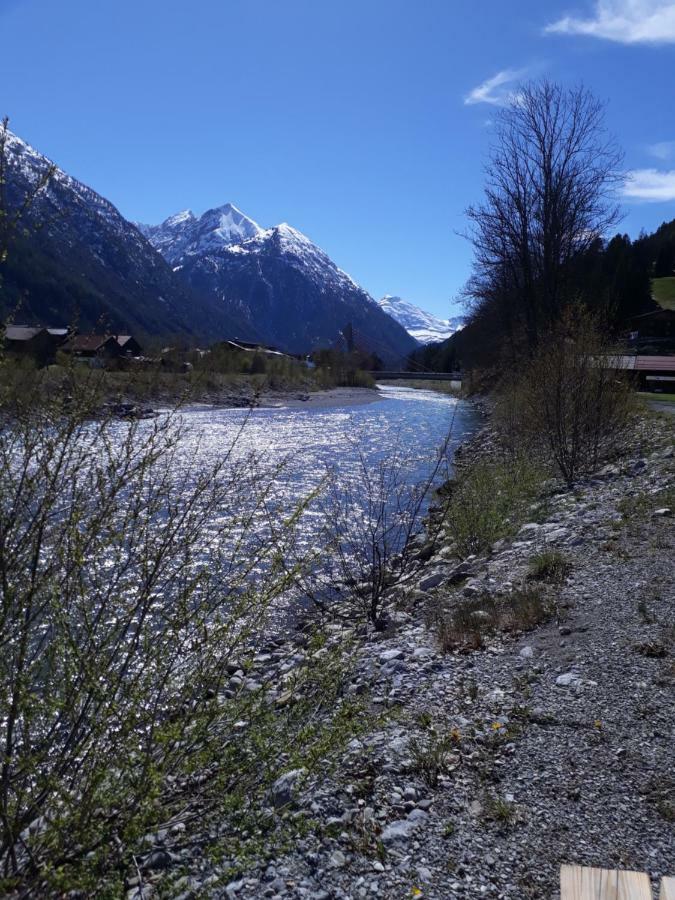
[
  {"x": 405, "y": 422},
  {"x": 352, "y": 442}
]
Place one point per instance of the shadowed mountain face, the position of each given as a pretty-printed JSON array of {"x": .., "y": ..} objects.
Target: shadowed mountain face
[
  {"x": 78, "y": 260},
  {"x": 281, "y": 287},
  {"x": 216, "y": 276}
]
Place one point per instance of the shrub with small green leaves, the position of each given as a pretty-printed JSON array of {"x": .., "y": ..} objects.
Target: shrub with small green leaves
[
  {"x": 489, "y": 501},
  {"x": 131, "y": 584}
]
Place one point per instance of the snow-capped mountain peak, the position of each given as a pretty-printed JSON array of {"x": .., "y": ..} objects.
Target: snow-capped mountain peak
[
  {"x": 423, "y": 326},
  {"x": 282, "y": 285},
  {"x": 185, "y": 215},
  {"x": 225, "y": 224},
  {"x": 184, "y": 234}
]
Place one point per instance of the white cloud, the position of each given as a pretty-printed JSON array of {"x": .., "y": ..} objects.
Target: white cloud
[
  {"x": 497, "y": 90},
  {"x": 650, "y": 185},
  {"x": 662, "y": 150},
  {"x": 624, "y": 21}
]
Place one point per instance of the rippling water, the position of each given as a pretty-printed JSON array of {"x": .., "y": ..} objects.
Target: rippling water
[{"x": 408, "y": 422}]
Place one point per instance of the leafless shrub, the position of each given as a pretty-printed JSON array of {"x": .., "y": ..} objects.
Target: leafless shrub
[
  {"x": 372, "y": 522},
  {"x": 575, "y": 399}
]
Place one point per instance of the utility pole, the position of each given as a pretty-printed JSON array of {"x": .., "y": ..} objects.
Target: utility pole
[{"x": 348, "y": 335}]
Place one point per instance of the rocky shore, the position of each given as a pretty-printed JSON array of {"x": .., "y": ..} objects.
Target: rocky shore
[
  {"x": 244, "y": 397},
  {"x": 484, "y": 769},
  {"x": 294, "y": 399}
]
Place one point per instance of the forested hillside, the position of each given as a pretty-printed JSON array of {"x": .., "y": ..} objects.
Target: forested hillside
[{"x": 614, "y": 280}]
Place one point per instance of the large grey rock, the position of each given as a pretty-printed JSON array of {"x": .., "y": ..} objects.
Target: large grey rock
[
  {"x": 283, "y": 789},
  {"x": 569, "y": 679},
  {"x": 558, "y": 534},
  {"x": 390, "y": 655},
  {"x": 398, "y": 832},
  {"x": 431, "y": 581},
  {"x": 529, "y": 528}
]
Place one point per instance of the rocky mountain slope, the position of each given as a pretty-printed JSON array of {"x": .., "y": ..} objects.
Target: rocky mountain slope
[
  {"x": 423, "y": 326},
  {"x": 276, "y": 282},
  {"x": 80, "y": 261}
]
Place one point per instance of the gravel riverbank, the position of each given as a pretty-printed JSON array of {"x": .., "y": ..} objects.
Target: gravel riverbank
[{"x": 487, "y": 769}]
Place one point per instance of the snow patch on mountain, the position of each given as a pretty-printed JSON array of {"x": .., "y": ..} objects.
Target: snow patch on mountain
[
  {"x": 301, "y": 253},
  {"x": 184, "y": 234},
  {"x": 423, "y": 326}
]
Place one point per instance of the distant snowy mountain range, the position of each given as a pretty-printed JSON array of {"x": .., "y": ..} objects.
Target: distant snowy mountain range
[{"x": 423, "y": 326}]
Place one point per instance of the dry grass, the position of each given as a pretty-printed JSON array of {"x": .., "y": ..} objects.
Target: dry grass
[
  {"x": 550, "y": 565},
  {"x": 465, "y": 625}
]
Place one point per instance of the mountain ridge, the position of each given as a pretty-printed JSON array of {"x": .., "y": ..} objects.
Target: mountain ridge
[
  {"x": 288, "y": 290},
  {"x": 210, "y": 277},
  {"x": 81, "y": 262}
]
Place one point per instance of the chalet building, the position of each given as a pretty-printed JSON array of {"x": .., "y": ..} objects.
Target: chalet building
[
  {"x": 41, "y": 344},
  {"x": 651, "y": 372},
  {"x": 93, "y": 346},
  {"x": 31, "y": 342},
  {"x": 129, "y": 345}
]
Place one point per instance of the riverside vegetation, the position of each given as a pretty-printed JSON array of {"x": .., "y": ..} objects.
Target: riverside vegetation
[
  {"x": 219, "y": 375},
  {"x": 472, "y": 706},
  {"x": 156, "y": 736},
  {"x": 519, "y": 692},
  {"x": 127, "y": 607}
]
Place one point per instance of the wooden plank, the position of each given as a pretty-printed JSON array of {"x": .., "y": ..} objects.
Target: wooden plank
[
  {"x": 634, "y": 886},
  {"x": 667, "y": 889},
  {"x": 586, "y": 883}
]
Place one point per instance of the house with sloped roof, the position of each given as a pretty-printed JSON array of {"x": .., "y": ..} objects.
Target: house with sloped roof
[
  {"x": 129, "y": 345},
  {"x": 30, "y": 342},
  {"x": 91, "y": 346}
]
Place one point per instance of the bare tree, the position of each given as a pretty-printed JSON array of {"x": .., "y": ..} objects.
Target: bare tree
[{"x": 550, "y": 193}]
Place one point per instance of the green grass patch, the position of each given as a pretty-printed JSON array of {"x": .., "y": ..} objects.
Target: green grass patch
[
  {"x": 662, "y": 398},
  {"x": 464, "y": 625},
  {"x": 641, "y": 506},
  {"x": 663, "y": 291},
  {"x": 491, "y": 499}
]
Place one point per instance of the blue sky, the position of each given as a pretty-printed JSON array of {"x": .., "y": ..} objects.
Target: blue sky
[{"x": 364, "y": 123}]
